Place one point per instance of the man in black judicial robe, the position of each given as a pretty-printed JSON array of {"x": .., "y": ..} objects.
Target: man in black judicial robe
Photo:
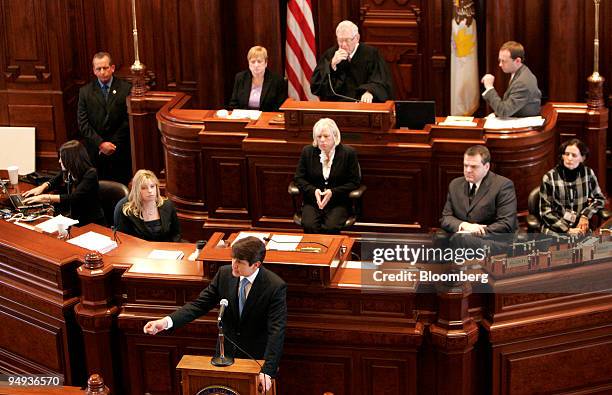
[{"x": 354, "y": 69}]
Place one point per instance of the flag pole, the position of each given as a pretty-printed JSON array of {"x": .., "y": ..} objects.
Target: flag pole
[{"x": 595, "y": 80}]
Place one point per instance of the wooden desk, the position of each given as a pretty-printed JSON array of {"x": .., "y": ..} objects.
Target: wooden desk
[
  {"x": 421, "y": 338},
  {"x": 230, "y": 175},
  {"x": 295, "y": 266}
]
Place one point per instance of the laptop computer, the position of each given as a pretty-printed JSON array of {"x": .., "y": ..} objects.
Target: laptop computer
[{"x": 415, "y": 114}]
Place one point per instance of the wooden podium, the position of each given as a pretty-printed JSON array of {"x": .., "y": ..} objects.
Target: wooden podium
[{"x": 199, "y": 376}]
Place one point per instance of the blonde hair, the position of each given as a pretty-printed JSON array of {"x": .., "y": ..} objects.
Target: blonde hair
[
  {"x": 329, "y": 125},
  {"x": 257, "y": 52},
  {"x": 133, "y": 206}
]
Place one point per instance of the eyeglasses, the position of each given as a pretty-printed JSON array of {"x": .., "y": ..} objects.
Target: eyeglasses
[{"x": 346, "y": 40}]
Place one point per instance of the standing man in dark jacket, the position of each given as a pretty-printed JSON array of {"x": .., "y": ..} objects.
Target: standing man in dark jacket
[
  {"x": 103, "y": 121},
  {"x": 256, "y": 314}
]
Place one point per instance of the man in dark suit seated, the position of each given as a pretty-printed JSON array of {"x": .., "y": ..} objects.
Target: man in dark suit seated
[
  {"x": 103, "y": 121},
  {"x": 522, "y": 97},
  {"x": 481, "y": 206},
  {"x": 256, "y": 315}
]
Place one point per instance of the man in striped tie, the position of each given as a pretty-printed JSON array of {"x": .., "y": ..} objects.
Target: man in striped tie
[
  {"x": 256, "y": 314},
  {"x": 104, "y": 123},
  {"x": 480, "y": 206}
]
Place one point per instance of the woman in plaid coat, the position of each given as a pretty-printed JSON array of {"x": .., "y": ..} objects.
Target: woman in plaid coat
[{"x": 570, "y": 193}]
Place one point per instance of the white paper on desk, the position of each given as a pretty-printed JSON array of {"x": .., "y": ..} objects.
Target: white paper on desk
[
  {"x": 448, "y": 122},
  {"x": 259, "y": 235},
  {"x": 284, "y": 242},
  {"x": 174, "y": 255},
  {"x": 95, "y": 242},
  {"x": 50, "y": 225},
  {"x": 242, "y": 114},
  {"x": 494, "y": 122}
]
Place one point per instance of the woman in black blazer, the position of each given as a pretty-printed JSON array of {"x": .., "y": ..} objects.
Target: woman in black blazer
[
  {"x": 145, "y": 213},
  {"x": 79, "y": 179},
  {"x": 258, "y": 88},
  {"x": 327, "y": 172}
]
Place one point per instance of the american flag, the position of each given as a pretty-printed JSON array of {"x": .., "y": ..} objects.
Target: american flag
[{"x": 300, "y": 49}]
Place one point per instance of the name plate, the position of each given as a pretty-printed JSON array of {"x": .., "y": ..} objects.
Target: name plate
[
  {"x": 562, "y": 257},
  {"x": 603, "y": 250},
  {"x": 517, "y": 264}
]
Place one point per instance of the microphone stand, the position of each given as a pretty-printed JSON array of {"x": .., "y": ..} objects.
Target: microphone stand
[
  {"x": 339, "y": 95},
  {"x": 221, "y": 359}
]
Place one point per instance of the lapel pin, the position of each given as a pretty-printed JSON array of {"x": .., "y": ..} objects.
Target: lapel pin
[{"x": 114, "y": 92}]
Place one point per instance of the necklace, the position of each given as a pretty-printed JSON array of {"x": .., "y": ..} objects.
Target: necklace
[{"x": 150, "y": 211}]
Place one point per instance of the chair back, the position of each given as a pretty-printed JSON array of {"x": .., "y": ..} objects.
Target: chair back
[
  {"x": 533, "y": 202},
  {"x": 110, "y": 193}
]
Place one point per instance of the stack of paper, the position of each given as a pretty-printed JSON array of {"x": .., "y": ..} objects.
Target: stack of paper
[
  {"x": 513, "y": 123},
  {"x": 51, "y": 225},
  {"x": 166, "y": 254},
  {"x": 95, "y": 242}
]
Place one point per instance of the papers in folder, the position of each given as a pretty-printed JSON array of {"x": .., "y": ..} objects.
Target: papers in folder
[
  {"x": 494, "y": 122},
  {"x": 95, "y": 242},
  {"x": 453, "y": 120},
  {"x": 51, "y": 225},
  {"x": 284, "y": 242},
  {"x": 260, "y": 235}
]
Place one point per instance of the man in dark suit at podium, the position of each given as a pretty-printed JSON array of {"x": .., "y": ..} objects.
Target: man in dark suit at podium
[
  {"x": 103, "y": 121},
  {"x": 481, "y": 205},
  {"x": 256, "y": 314}
]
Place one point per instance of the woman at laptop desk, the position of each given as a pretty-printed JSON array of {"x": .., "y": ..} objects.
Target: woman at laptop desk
[
  {"x": 145, "y": 213},
  {"x": 76, "y": 186}
]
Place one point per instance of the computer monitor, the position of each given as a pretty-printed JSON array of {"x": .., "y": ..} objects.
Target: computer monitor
[
  {"x": 18, "y": 148},
  {"x": 415, "y": 114}
]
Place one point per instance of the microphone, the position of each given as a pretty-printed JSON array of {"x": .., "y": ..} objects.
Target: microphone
[
  {"x": 115, "y": 238},
  {"x": 222, "y": 359},
  {"x": 337, "y": 94},
  {"x": 303, "y": 249},
  {"x": 223, "y": 304},
  {"x": 194, "y": 255}
]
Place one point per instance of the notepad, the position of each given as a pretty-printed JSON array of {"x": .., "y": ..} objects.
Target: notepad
[
  {"x": 166, "y": 254},
  {"x": 95, "y": 242}
]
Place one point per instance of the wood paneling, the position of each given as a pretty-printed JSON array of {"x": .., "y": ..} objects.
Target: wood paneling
[{"x": 197, "y": 46}]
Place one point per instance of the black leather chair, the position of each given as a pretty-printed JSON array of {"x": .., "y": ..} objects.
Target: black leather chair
[
  {"x": 534, "y": 222},
  {"x": 354, "y": 195},
  {"x": 110, "y": 193}
]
